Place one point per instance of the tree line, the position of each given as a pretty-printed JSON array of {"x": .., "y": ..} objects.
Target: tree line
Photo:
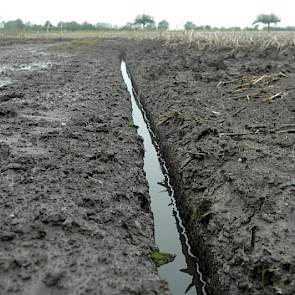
[
  {"x": 61, "y": 26},
  {"x": 141, "y": 22},
  {"x": 266, "y": 19}
]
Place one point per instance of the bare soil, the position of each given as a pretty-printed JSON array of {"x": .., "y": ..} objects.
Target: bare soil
[
  {"x": 75, "y": 215},
  {"x": 225, "y": 118},
  {"x": 74, "y": 203}
]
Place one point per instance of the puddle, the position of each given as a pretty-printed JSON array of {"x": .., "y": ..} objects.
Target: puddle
[
  {"x": 19, "y": 145},
  {"x": 5, "y": 69},
  {"x": 183, "y": 274},
  {"x": 34, "y": 66},
  {"x": 8, "y": 70},
  {"x": 50, "y": 116},
  {"x": 5, "y": 81}
]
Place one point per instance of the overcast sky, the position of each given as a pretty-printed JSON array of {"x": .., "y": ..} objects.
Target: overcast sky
[{"x": 201, "y": 12}]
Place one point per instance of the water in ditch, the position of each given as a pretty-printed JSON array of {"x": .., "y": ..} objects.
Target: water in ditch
[{"x": 183, "y": 274}]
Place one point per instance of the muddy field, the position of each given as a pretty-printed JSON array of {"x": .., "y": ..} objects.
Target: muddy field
[
  {"x": 74, "y": 214},
  {"x": 226, "y": 122}
]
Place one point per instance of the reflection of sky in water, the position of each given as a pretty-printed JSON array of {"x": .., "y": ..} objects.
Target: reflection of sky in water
[
  {"x": 181, "y": 274},
  {"x": 7, "y": 70},
  {"x": 5, "y": 81},
  {"x": 23, "y": 67}
]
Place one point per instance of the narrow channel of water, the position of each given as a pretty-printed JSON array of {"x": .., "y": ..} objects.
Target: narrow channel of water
[{"x": 183, "y": 274}]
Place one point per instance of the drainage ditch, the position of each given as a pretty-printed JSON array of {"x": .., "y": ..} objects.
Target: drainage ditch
[{"x": 183, "y": 273}]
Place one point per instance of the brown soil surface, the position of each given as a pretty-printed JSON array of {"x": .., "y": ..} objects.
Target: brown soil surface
[
  {"x": 74, "y": 214},
  {"x": 226, "y": 122}
]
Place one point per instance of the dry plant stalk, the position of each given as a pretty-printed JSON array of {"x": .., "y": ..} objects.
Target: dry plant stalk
[
  {"x": 169, "y": 115},
  {"x": 235, "y": 40}
]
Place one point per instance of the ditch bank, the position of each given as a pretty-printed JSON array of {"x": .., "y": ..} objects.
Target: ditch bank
[
  {"x": 75, "y": 215},
  {"x": 225, "y": 120}
]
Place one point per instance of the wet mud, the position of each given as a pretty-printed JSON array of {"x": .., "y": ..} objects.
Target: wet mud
[
  {"x": 225, "y": 118},
  {"x": 75, "y": 211},
  {"x": 74, "y": 215}
]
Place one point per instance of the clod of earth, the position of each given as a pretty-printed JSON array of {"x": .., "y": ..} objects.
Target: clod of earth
[
  {"x": 202, "y": 213},
  {"x": 7, "y": 113}
]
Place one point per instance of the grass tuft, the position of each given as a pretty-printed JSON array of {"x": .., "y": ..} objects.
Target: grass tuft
[{"x": 160, "y": 258}]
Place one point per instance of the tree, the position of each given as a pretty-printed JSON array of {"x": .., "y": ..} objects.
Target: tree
[
  {"x": 267, "y": 19},
  {"x": 104, "y": 26},
  {"x": 48, "y": 26},
  {"x": 144, "y": 20},
  {"x": 14, "y": 25},
  {"x": 128, "y": 26},
  {"x": 163, "y": 25},
  {"x": 189, "y": 25},
  {"x": 150, "y": 27},
  {"x": 87, "y": 26}
]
